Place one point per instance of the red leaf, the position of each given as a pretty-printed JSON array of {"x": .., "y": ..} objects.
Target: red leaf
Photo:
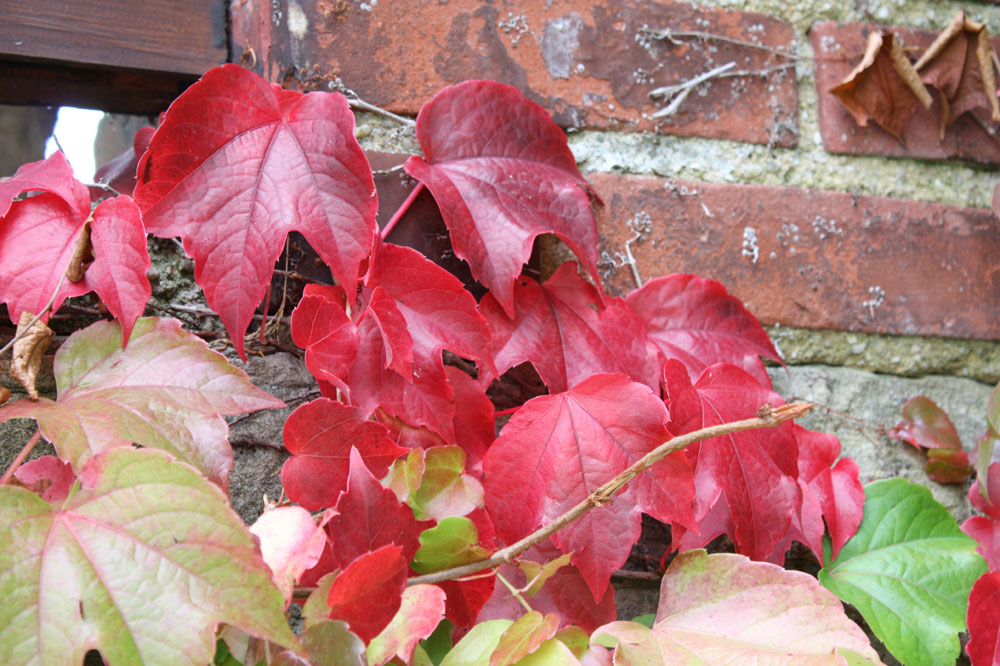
[
  {"x": 119, "y": 172},
  {"x": 564, "y": 331},
  {"x": 369, "y": 517},
  {"x": 501, "y": 173},
  {"x": 948, "y": 466},
  {"x": 368, "y": 593},
  {"x": 237, "y": 164},
  {"x": 397, "y": 342},
  {"x": 320, "y": 435},
  {"x": 565, "y": 593},
  {"x": 756, "y": 470},
  {"x": 321, "y": 326},
  {"x": 53, "y": 174},
  {"x": 47, "y": 476},
  {"x": 926, "y": 425},
  {"x": 984, "y": 621},
  {"x": 121, "y": 260},
  {"x": 697, "y": 322},
  {"x": 438, "y": 312},
  {"x": 466, "y": 598},
  {"x": 559, "y": 448},
  {"x": 987, "y": 533}
]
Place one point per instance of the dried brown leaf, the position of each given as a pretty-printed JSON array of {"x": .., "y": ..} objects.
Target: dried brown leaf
[
  {"x": 959, "y": 63},
  {"x": 884, "y": 87},
  {"x": 83, "y": 255},
  {"x": 29, "y": 351}
]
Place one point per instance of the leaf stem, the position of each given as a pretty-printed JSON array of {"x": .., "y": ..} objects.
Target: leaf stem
[
  {"x": 767, "y": 417},
  {"x": 25, "y": 452},
  {"x": 397, "y": 216},
  {"x": 516, "y": 593}
]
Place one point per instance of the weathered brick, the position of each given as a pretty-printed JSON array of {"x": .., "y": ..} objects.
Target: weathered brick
[
  {"x": 838, "y": 47},
  {"x": 592, "y": 63},
  {"x": 812, "y": 259}
]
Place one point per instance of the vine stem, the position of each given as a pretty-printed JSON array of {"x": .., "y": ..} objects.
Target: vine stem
[
  {"x": 767, "y": 417},
  {"x": 398, "y": 215},
  {"x": 25, "y": 451}
]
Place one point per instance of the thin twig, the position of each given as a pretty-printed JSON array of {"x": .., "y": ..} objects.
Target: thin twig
[
  {"x": 358, "y": 103},
  {"x": 682, "y": 90},
  {"x": 25, "y": 452},
  {"x": 516, "y": 593},
  {"x": 768, "y": 418},
  {"x": 48, "y": 306},
  {"x": 673, "y": 37},
  {"x": 631, "y": 260}
]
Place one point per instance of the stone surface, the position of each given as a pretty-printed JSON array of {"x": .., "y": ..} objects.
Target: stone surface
[
  {"x": 810, "y": 259},
  {"x": 284, "y": 376},
  {"x": 592, "y": 64},
  {"x": 858, "y": 406},
  {"x": 838, "y": 47}
]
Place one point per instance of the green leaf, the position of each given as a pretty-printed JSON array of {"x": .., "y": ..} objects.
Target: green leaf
[
  {"x": 725, "y": 609},
  {"x": 166, "y": 391},
  {"x": 316, "y": 609},
  {"x": 993, "y": 409},
  {"x": 645, "y": 620},
  {"x": 536, "y": 574},
  {"x": 908, "y": 571},
  {"x": 142, "y": 561},
  {"x": 552, "y": 652},
  {"x": 443, "y": 489},
  {"x": 476, "y": 646},
  {"x": 327, "y": 642},
  {"x": 524, "y": 637},
  {"x": 451, "y": 543},
  {"x": 438, "y": 644}
]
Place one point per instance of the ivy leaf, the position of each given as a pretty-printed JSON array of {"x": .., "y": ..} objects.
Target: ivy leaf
[
  {"x": 960, "y": 65},
  {"x": 320, "y": 435},
  {"x": 235, "y": 165},
  {"x": 322, "y": 328},
  {"x": 755, "y": 472},
  {"x": 475, "y": 648},
  {"x": 908, "y": 571},
  {"x": 166, "y": 392},
  {"x": 884, "y": 87},
  {"x": 926, "y": 425},
  {"x": 290, "y": 542},
  {"x": 48, "y": 476},
  {"x": 502, "y": 173},
  {"x": 368, "y": 593},
  {"x": 557, "y": 449},
  {"x": 54, "y": 224},
  {"x": 725, "y": 609},
  {"x": 697, "y": 322},
  {"x": 420, "y": 612},
  {"x": 326, "y": 642},
  {"x": 454, "y": 541},
  {"x": 990, "y": 487},
  {"x": 433, "y": 483},
  {"x": 83, "y": 572},
  {"x": 563, "y": 329},
  {"x": 986, "y": 532},
  {"x": 524, "y": 637},
  {"x": 984, "y": 630}
]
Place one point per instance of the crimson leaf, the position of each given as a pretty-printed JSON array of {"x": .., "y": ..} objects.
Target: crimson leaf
[
  {"x": 984, "y": 629},
  {"x": 321, "y": 326},
  {"x": 238, "y": 163},
  {"x": 559, "y": 448},
  {"x": 368, "y": 593},
  {"x": 564, "y": 331},
  {"x": 501, "y": 173},
  {"x": 697, "y": 322},
  {"x": 754, "y": 471},
  {"x": 320, "y": 435}
]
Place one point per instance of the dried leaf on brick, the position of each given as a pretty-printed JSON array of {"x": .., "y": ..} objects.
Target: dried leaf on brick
[
  {"x": 28, "y": 352},
  {"x": 960, "y": 65},
  {"x": 884, "y": 87}
]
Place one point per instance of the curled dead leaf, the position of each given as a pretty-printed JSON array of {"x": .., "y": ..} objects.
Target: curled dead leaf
[
  {"x": 83, "y": 255},
  {"x": 884, "y": 87},
  {"x": 959, "y": 63},
  {"x": 29, "y": 351}
]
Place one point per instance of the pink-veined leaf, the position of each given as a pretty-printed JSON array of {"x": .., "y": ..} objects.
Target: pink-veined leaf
[
  {"x": 724, "y": 609},
  {"x": 563, "y": 329},
  {"x": 322, "y": 328},
  {"x": 369, "y": 517},
  {"x": 368, "y": 593},
  {"x": 756, "y": 470},
  {"x": 984, "y": 621},
  {"x": 39, "y": 236},
  {"x": 566, "y": 593},
  {"x": 235, "y": 165},
  {"x": 926, "y": 425},
  {"x": 559, "y": 448},
  {"x": 434, "y": 484},
  {"x": 524, "y": 637},
  {"x": 987, "y": 533},
  {"x": 166, "y": 391},
  {"x": 502, "y": 173},
  {"x": 421, "y": 610},
  {"x": 48, "y": 477},
  {"x": 697, "y": 322},
  {"x": 290, "y": 542},
  {"x": 320, "y": 435},
  {"x": 83, "y": 573}
]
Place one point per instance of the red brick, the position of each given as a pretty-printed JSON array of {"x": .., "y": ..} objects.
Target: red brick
[
  {"x": 583, "y": 60},
  {"x": 824, "y": 259},
  {"x": 838, "y": 47}
]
